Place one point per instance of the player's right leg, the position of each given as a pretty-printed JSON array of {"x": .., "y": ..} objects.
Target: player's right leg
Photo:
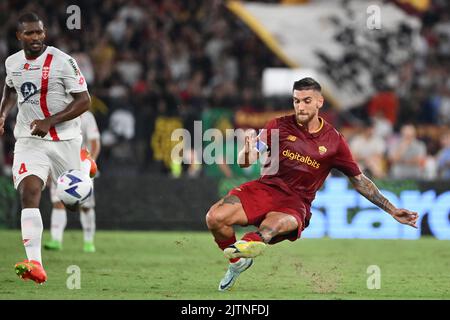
[
  {"x": 220, "y": 220},
  {"x": 30, "y": 172},
  {"x": 222, "y": 216},
  {"x": 32, "y": 228}
]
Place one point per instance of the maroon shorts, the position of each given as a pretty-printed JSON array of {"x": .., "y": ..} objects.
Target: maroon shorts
[{"x": 258, "y": 199}]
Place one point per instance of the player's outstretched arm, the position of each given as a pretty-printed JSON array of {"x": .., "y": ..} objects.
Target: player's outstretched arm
[
  {"x": 370, "y": 191},
  {"x": 79, "y": 105},
  {"x": 9, "y": 99}
]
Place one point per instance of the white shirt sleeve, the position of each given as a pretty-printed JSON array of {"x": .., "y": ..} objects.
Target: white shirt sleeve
[
  {"x": 8, "y": 79},
  {"x": 72, "y": 77}
]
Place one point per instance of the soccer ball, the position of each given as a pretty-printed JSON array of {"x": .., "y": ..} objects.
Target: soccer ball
[{"x": 73, "y": 187}]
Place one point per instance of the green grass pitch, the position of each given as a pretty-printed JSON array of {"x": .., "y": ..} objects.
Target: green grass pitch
[{"x": 188, "y": 265}]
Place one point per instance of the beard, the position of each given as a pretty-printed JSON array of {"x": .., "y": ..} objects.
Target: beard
[
  {"x": 36, "y": 48},
  {"x": 304, "y": 119}
]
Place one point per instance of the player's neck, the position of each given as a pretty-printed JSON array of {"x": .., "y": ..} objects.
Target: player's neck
[
  {"x": 34, "y": 55},
  {"x": 314, "y": 125}
]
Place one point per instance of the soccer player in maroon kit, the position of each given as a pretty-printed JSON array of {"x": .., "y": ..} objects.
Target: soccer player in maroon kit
[{"x": 278, "y": 204}]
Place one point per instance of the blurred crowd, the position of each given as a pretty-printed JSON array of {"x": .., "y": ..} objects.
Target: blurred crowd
[
  {"x": 147, "y": 59},
  {"x": 405, "y": 132},
  {"x": 154, "y": 65}
]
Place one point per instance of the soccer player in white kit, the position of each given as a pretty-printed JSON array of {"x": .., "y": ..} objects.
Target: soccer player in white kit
[
  {"x": 51, "y": 94},
  {"x": 91, "y": 143}
]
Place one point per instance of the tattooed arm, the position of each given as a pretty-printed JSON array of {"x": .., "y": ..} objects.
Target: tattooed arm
[{"x": 369, "y": 190}]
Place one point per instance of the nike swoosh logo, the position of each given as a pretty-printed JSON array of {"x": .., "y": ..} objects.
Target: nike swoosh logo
[{"x": 226, "y": 284}]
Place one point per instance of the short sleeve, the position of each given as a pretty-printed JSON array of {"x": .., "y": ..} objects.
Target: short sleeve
[
  {"x": 343, "y": 160},
  {"x": 72, "y": 77},
  {"x": 8, "y": 79}
]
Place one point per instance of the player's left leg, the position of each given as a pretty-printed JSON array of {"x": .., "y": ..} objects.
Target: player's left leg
[
  {"x": 275, "y": 224},
  {"x": 252, "y": 244},
  {"x": 87, "y": 218},
  {"x": 57, "y": 225}
]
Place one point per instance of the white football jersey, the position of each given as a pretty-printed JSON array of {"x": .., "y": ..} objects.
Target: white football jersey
[
  {"x": 43, "y": 87},
  {"x": 89, "y": 128}
]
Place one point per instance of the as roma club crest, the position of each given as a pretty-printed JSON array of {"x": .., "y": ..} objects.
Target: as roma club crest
[{"x": 322, "y": 150}]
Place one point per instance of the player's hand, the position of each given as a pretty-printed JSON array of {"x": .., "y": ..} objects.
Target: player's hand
[
  {"x": 406, "y": 217},
  {"x": 250, "y": 140},
  {"x": 2, "y": 125},
  {"x": 40, "y": 127}
]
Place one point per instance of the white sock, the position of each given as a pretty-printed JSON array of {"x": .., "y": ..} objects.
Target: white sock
[
  {"x": 32, "y": 228},
  {"x": 88, "y": 223},
  {"x": 58, "y": 224}
]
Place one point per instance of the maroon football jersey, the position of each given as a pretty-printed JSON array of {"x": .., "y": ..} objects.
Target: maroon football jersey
[{"x": 306, "y": 159}]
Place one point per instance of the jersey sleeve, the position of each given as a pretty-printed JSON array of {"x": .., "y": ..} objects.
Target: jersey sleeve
[
  {"x": 343, "y": 160},
  {"x": 8, "y": 79},
  {"x": 72, "y": 77},
  {"x": 89, "y": 125}
]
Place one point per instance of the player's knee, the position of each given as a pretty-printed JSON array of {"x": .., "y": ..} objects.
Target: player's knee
[
  {"x": 277, "y": 227},
  {"x": 214, "y": 219},
  {"x": 31, "y": 196}
]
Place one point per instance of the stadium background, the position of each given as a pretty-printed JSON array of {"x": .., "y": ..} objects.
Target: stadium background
[{"x": 154, "y": 66}]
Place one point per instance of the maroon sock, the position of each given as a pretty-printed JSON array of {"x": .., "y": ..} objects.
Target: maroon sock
[
  {"x": 223, "y": 244},
  {"x": 252, "y": 236}
]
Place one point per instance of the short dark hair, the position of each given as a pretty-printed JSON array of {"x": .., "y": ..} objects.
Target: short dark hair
[
  {"x": 307, "y": 84},
  {"x": 27, "y": 17}
]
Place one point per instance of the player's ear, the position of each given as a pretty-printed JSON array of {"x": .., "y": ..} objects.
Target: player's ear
[
  {"x": 320, "y": 101},
  {"x": 19, "y": 35}
]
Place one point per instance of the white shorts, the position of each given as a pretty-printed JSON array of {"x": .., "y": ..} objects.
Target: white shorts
[
  {"x": 42, "y": 158},
  {"x": 89, "y": 203}
]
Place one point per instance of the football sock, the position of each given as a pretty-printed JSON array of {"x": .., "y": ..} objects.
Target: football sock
[
  {"x": 32, "y": 227},
  {"x": 58, "y": 224},
  {"x": 223, "y": 244},
  {"x": 253, "y": 236},
  {"x": 88, "y": 223}
]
